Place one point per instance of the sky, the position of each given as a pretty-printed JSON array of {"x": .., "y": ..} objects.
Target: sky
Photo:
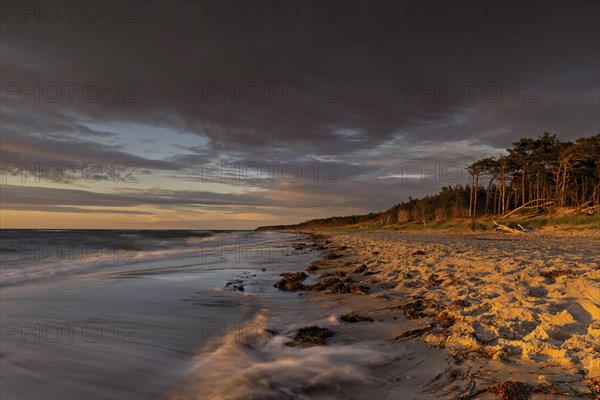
[{"x": 232, "y": 115}]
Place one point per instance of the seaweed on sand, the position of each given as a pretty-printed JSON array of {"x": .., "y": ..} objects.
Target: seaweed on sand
[
  {"x": 343, "y": 287},
  {"x": 434, "y": 281},
  {"x": 295, "y": 276},
  {"x": 312, "y": 268},
  {"x": 291, "y": 281},
  {"x": 445, "y": 319},
  {"x": 553, "y": 274},
  {"x": 339, "y": 283},
  {"x": 312, "y": 336},
  {"x": 594, "y": 385},
  {"x": 356, "y": 317},
  {"x": 512, "y": 390},
  {"x": 415, "y": 309},
  {"x": 414, "y": 332},
  {"x": 360, "y": 269}
]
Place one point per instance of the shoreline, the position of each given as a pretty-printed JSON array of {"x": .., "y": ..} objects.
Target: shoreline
[
  {"x": 511, "y": 313},
  {"x": 382, "y": 313}
]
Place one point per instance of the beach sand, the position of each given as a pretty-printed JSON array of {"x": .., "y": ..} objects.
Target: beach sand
[{"x": 516, "y": 316}]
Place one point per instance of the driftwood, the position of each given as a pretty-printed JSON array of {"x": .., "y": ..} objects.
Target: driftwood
[
  {"x": 587, "y": 210},
  {"x": 525, "y": 229},
  {"x": 528, "y": 206},
  {"x": 499, "y": 227}
]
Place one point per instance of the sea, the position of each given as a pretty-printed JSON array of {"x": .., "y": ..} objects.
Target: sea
[{"x": 166, "y": 314}]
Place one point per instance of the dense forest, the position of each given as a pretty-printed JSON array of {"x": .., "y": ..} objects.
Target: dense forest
[{"x": 531, "y": 176}]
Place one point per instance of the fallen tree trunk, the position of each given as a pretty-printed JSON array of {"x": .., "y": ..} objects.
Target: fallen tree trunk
[
  {"x": 525, "y": 230},
  {"x": 528, "y": 206},
  {"x": 588, "y": 210},
  {"x": 499, "y": 227}
]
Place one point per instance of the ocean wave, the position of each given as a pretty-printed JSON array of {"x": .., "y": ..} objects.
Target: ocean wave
[
  {"x": 27, "y": 255},
  {"x": 262, "y": 366}
]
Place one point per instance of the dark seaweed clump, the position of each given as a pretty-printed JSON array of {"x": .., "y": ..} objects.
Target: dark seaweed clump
[
  {"x": 355, "y": 317},
  {"x": 339, "y": 283},
  {"x": 312, "y": 336},
  {"x": 512, "y": 390},
  {"x": 291, "y": 281}
]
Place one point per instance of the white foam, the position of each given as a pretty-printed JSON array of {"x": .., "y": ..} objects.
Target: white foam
[{"x": 268, "y": 369}]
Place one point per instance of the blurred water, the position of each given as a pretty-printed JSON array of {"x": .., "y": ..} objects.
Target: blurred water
[
  {"x": 131, "y": 330},
  {"x": 27, "y": 255},
  {"x": 193, "y": 315}
]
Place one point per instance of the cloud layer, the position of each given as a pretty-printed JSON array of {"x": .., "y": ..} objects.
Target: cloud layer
[{"x": 369, "y": 87}]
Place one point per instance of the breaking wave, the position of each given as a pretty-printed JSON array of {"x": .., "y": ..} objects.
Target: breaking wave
[{"x": 263, "y": 367}]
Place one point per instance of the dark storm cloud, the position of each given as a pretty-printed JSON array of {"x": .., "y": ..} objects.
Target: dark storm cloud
[{"x": 170, "y": 67}]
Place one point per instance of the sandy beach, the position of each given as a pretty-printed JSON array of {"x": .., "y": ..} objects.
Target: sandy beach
[
  {"x": 498, "y": 315},
  {"x": 330, "y": 315}
]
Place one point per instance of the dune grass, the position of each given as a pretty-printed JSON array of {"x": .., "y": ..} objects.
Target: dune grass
[{"x": 485, "y": 223}]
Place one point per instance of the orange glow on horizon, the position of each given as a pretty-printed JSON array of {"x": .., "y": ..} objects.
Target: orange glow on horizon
[{"x": 11, "y": 219}]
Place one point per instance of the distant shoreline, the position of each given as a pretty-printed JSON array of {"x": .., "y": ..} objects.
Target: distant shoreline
[{"x": 562, "y": 219}]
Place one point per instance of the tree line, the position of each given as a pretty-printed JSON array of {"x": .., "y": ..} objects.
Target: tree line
[
  {"x": 532, "y": 174},
  {"x": 538, "y": 171}
]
